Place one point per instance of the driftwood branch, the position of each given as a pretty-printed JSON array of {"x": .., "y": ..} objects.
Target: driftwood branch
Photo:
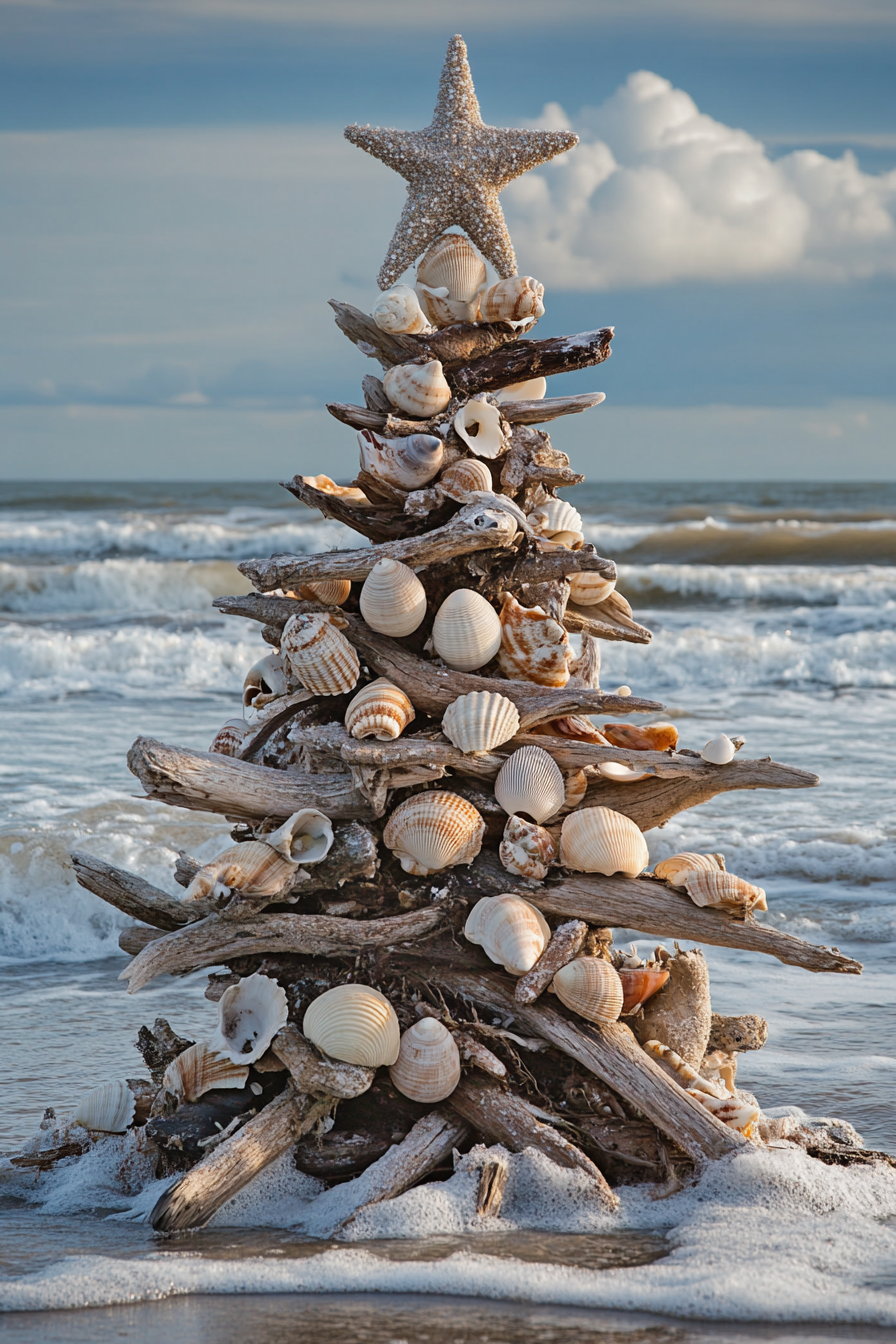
[
  {"x": 379, "y": 522},
  {"x": 523, "y": 360},
  {"x": 514, "y": 412},
  {"x": 565, "y": 945},
  {"x": 313, "y": 1073},
  {"x": 353, "y": 857},
  {"x": 131, "y": 894},
  {"x": 454, "y": 345}
]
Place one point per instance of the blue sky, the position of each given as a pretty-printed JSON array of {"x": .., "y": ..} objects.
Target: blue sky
[{"x": 179, "y": 204}]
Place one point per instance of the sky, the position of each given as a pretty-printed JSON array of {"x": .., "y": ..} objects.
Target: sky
[{"x": 178, "y": 204}]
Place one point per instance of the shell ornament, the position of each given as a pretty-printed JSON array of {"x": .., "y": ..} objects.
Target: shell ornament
[
  {"x": 420, "y": 390},
  {"x": 393, "y": 600},
  {"x": 199, "y": 1070},
  {"x": 591, "y": 987},
  {"x": 463, "y": 480},
  {"x": 264, "y": 682},
  {"x": 480, "y": 721},
  {"x": 678, "y": 867},
  {"x": 332, "y": 591},
  {"x": 108, "y": 1109},
  {"x": 534, "y": 647},
  {"x": 481, "y": 427},
  {"x": 653, "y": 737},
  {"x": 428, "y": 1065},
  {"x": 408, "y": 463},
  {"x": 527, "y": 849},
  {"x": 466, "y": 632},
  {"x": 398, "y": 311},
  {"x": 250, "y": 1014},
  {"x": 229, "y": 739},
  {"x": 515, "y": 300},
  {"x": 588, "y": 588},
  {"x": 450, "y": 278},
  {"x": 530, "y": 784},
  {"x": 434, "y": 830}
]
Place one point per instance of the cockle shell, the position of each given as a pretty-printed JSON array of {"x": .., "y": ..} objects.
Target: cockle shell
[
  {"x": 678, "y": 867},
  {"x": 714, "y": 888},
  {"x": 588, "y": 588},
  {"x": 534, "y": 647},
  {"x": 527, "y": 849},
  {"x": 652, "y": 737},
  {"x": 354, "y": 1023},
  {"x": 512, "y": 300},
  {"x": 333, "y": 591},
  {"x": 450, "y": 277},
  {"x": 638, "y": 985},
  {"x": 463, "y": 479},
  {"x": 683, "y": 1072},
  {"x": 407, "y": 463},
  {"x": 599, "y": 840},
  {"x": 719, "y": 751},
  {"x": 398, "y": 310},
  {"x": 733, "y": 1112},
  {"x": 479, "y": 424},
  {"x": 379, "y": 710},
  {"x": 590, "y": 987},
  {"x": 250, "y": 1014},
  {"x": 319, "y": 655},
  {"x": 418, "y": 389},
  {"x": 557, "y": 515},
  {"x": 254, "y": 868},
  {"x": 428, "y": 1065},
  {"x": 622, "y": 774},
  {"x": 533, "y": 389},
  {"x": 434, "y": 830},
  {"x": 306, "y": 837},
  {"x": 466, "y": 632},
  {"x": 199, "y": 1069},
  {"x": 509, "y": 930},
  {"x": 264, "y": 682},
  {"x": 480, "y": 721},
  {"x": 530, "y": 783},
  {"x": 393, "y": 600},
  {"x": 229, "y": 739},
  {"x": 108, "y": 1109}
]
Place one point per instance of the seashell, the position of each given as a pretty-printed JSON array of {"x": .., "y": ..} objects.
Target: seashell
[
  {"x": 512, "y": 300},
  {"x": 354, "y": 1023},
  {"x": 599, "y": 840},
  {"x": 530, "y": 784},
  {"x": 733, "y": 1112},
  {"x": 570, "y": 540},
  {"x": 588, "y": 588},
  {"x": 264, "y": 682},
  {"x": 509, "y": 930},
  {"x": 398, "y": 310},
  {"x": 328, "y": 487},
  {"x": 720, "y": 1066},
  {"x": 428, "y": 1065},
  {"x": 715, "y": 888},
  {"x": 534, "y": 647},
  {"x": 590, "y": 987},
  {"x": 407, "y": 463},
  {"x": 654, "y": 737},
  {"x": 622, "y": 774},
  {"x": 229, "y": 740},
  {"x": 638, "y": 985},
  {"x": 576, "y": 783},
  {"x": 466, "y": 632},
  {"x": 574, "y": 726},
  {"x": 479, "y": 424},
  {"x": 254, "y": 868},
  {"x": 319, "y": 655},
  {"x": 393, "y": 600},
  {"x": 199, "y": 1069},
  {"x": 461, "y": 481},
  {"x": 306, "y": 837},
  {"x": 380, "y": 710},
  {"x": 682, "y": 1071},
  {"x": 450, "y": 277},
  {"x": 527, "y": 849},
  {"x": 533, "y": 389},
  {"x": 418, "y": 389},
  {"x": 480, "y": 721},
  {"x": 108, "y": 1109},
  {"x": 434, "y": 830},
  {"x": 719, "y": 751},
  {"x": 250, "y": 1014},
  {"x": 333, "y": 591},
  {"x": 557, "y": 515},
  {"x": 623, "y": 690},
  {"x": 678, "y": 867}
]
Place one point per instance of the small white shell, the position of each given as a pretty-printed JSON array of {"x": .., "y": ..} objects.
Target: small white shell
[
  {"x": 264, "y": 682},
  {"x": 355, "y": 1024},
  {"x": 418, "y": 389},
  {"x": 319, "y": 655},
  {"x": 428, "y": 1064},
  {"x": 466, "y": 632},
  {"x": 108, "y": 1109},
  {"x": 719, "y": 751},
  {"x": 398, "y": 310},
  {"x": 306, "y": 837},
  {"x": 533, "y": 389},
  {"x": 464, "y": 479},
  {"x": 588, "y": 588},
  {"x": 480, "y": 720},
  {"x": 434, "y": 830},
  {"x": 599, "y": 840},
  {"x": 527, "y": 849},
  {"x": 379, "y": 710},
  {"x": 229, "y": 739},
  {"x": 530, "y": 784},
  {"x": 332, "y": 591},
  {"x": 393, "y": 600},
  {"x": 479, "y": 424},
  {"x": 590, "y": 987},
  {"x": 678, "y": 867},
  {"x": 509, "y": 930},
  {"x": 623, "y": 691},
  {"x": 199, "y": 1070},
  {"x": 407, "y": 463},
  {"x": 622, "y": 774},
  {"x": 250, "y": 1014},
  {"x": 554, "y": 517},
  {"x": 512, "y": 300}
]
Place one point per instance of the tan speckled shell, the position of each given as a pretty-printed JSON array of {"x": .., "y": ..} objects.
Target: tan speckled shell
[
  {"x": 586, "y": 589},
  {"x": 715, "y": 888},
  {"x": 428, "y": 1064},
  {"x": 678, "y": 866},
  {"x": 250, "y": 1014},
  {"x": 534, "y": 647},
  {"x": 434, "y": 830},
  {"x": 253, "y": 867},
  {"x": 417, "y": 389},
  {"x": 530, "y": 784},
  {"x": 462, "y": 480},
  {"x": 334, "y": 591},
  {"x": 393, "y": 600},
  {"x": 512, "y": 300},
  {"x": 533, "y": 389},
  {"x": 355, "y": 1024},
  {"x": 556, "y": 516},
  {"x": 590, "y": 987},
  {"x": 229, "y": 739},
  {"x": 264, "y": 682},
  {"x": 527, "y": 849},
  {"x": 599, "y": 840},
  {"x": 480, "y": 721},
  {"x": 380, "y": 710},
  {"x": 199, "y": 1069},
  {"x": 509, "y": 930},
  {"x": 466, "y": 632},
  {"x": 319, "y": 655},
  {"x": 108, "y": 1109},
  {"x": 482, "y": 417},
  {"x": 398, "y": 310},
  {"x": 407, "y": 463}
]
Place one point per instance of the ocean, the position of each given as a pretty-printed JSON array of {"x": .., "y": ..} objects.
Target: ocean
[{"x": 774, "y": 616}]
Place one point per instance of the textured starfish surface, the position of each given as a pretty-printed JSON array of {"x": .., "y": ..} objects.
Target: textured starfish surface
[{"x": 454, "y": 170}]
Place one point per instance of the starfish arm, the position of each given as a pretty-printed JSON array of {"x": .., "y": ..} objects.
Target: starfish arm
[
  {"x": 421, "y": 221},
  {"x": 398, "y": 150},
  {"x": 507, "y": 154},
  {"x": 456, "y": 101}
]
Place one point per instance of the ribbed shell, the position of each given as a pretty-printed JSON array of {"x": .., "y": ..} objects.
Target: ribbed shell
[
  {"x": 418, "y": 389},
  {"x": 599, "y": 840},
  {"x": 407, "y": 463},
  {"x": 250, "y": 1014},
  {"x": 199, "y": 1069},
  {"x": 306, "y": 837},
  {"x": 512, "y": 300},
  {"x": 618, "y": 773},
  {"x": 478, "y": 423},
  {"x": 679, "y": 866},
  {"x": 398, "y": 310},
  {"x": 480, "y": 721},
  {"x": 379, "y": 710},
  {"x": 683, "y": 1072},
  {"x": 530, "y": 783},
  {"x": 355, "y": 1024},
  {"x": 319, "y": 655},
  {"x": 557, "y": 515},
  {"x": 466, "y": 632},
  {"x": 714, "y": 888},
  {"x": 461, "y": 481},
  {"x": 640, "y": 985},
  {"x": 428, "y": 1064},
  {"x": 108, "y": 1109},
  {"x": 253, "y": 867},
  {"x": 533, "y": 389},
  {"x": 586, "y": 589},
  {"x": 719, "y": 751},
  {"x": 434, "y": 830},
  {"x": 509, "y": 930},
  {"x": 393, "y": 600},
  {"x": 534, "y": 647},
  {"x": 265, "y": 681},
  {"x": 229, "y": 739},
  {"x": 453, "y": 263},
  {"x": 590, "y": 987},
  {"x": 334, "y": 591},
  {"x": 527, "y": 849},
  {"x": 651, "y": 737}
]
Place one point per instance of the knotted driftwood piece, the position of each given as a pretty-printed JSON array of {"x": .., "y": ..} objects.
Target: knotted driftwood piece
[{"x": 131, "y": 894}]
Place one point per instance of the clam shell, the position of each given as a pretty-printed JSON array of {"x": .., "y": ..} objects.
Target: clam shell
[
  {"x": 333, "y": 591},
  {"x": 534, "y": 647},
  {"x": 434, "y": 830},
  {"x": 512, "y": 300},
  {"x": 533, "y": 389},
  {"x": 229, "y": 739},
  {"x": 379, "y": 710},
  {"x": 264, "y": 682},
  {"x": 509, "y": 930},
  {"x": 199, "y": 1069},
  {"x": 557, "y": 515},
  {"x": 677, "y": 867},
  {"x": 599, "y": 840},
  {"x": 453, "y": 266},
  {"x": 319, "y": 655},
  {"x": 715, "y": 888},
  {"x": 461, "y": 481},
  {"x": 420, "y": 390},
  {"x": 590, "y": 987},
  {"x": 428, "y": 1065},
  {"x": 619, "y": 773},
  {"x": 354, "y": 1023},
  {"x": 393, "y": 600},
  {"x": 108, "y": 1109},
  {"x": 466, "y": 632},
  {"x": 527, "y": 849},
  {"x": 639, "y": 985},
  {"x": 306, "y": 837},
  {"x": 398, "y": 310},
  {"x": 652, "y": 737},
  {"x": 588, "y": 588},
  {"x": 250, "y": 1014},
  {"x": 407, "y": 463},
  {"x": 719, "y": 751},
  {"x": 480, "y": 426},
  {"x": 480, "y": 721},
  {"x": 253, "y": 867},
  {"x": 530, "y": 784}
]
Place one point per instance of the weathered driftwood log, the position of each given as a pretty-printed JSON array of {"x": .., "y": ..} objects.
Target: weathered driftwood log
[
  {"x": 312, "y": 1073},
  {"x": 522, "y": 360},
  {"x": 135, "y": 937},
  {"x": 376, "y": 521},
  {"x": 457, "y": 344},
  {"x": 583, "y": 620},
  {"x": 565, "y": 945},
  {"x": 492, "y": 1182},
  {"x": 514, "y": 412},
  {"x": 679, "y": 1016},
  {"x": 131, "y": 894},
  {"x": 746, "y": 1032}
]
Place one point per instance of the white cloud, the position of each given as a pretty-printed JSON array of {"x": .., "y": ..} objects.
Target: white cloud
[{"x": 658, "y": 191}]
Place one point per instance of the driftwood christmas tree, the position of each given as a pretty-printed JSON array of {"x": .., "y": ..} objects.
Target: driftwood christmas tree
[{"x": 432, "y": 836}]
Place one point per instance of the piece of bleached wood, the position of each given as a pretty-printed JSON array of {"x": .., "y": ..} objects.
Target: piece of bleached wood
[
  {"x": 132, "y": 894},
  {"x": 313, "y": 1072},
  {"x": 492, "y": 1182},
  {"x": 522, "y": 360},
  {"x": 134, "y": 937},
  {"x": 514, "y": 412},
  {"x": 564, "y": 946}
]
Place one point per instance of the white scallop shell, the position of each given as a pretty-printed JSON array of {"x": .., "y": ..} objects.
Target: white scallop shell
[
  {"x": 555, "y": 516},
  {"x": 332, "y": 591},
  {"x": 264, "y": 682},
  {"x": 250, "y": 1014},
  {"x": 512, "y": 300},
  {"x": 407, "y": 463},
  {"x": 393, "y": 600},
  {"x": 590, "y": 987},
  {"x": 719, "y": 751},
  {"x": 398, "y": 310},
  {"x": 509, "y": 930},
  {"x": 450, "y": 277},
  {"x": 466, "y": 632},
  {"x": 480, "y": 426},
  {"x": 199, "y": 1070},
  {"x": 480, "y": 720},
  {"x": 533, "y": 389},
  {"x": 588, "y": 588},
  {"x": 355, "y": 1024},
  {"x": 306, "y": 837},
  {"x": 599, "y": 840},
  {"x": 527, "y": 849},
  {"x": 420, "y": 390},
  {"x": 319, "y": 655},
  {"x": 530, "y": 784},
  {"x": 434, "y": 830},
  {"x": 622, "y": 774},
  {"x": 678, "y": 867},
  {"x": 108, "y": 1109},
  {"x": 229, "y": 739},
  {"x": 428, "y": 1064},
  {"x": 379, "y": 710}
]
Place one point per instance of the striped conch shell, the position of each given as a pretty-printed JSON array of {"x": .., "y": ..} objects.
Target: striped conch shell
[
  {"x": 651, "y": 737},
  {"x": 108, "y": 1109},
  {"x": 450, "y": 277},
  {"x": 398, "y": 310},
  {"x": 719, "y": 751},
  {"x": 527, "y": 849},
  {"x": 530, "y": 784},
  {"x": 714, "y": 888},
  {"x": 420, "y": 390},
  {"x": 254, "y": 868},
  {"x": 590, "y": 987},
  {"x": 678, "y": 867},
  {"x": 480, "y": 721},
  {"x": 512, "y": 300},
  {"x": 534, "y": 647},
  {"x": 319, "y": 655},
  {"x": 355, "y": 1024},
  {"x": 463, "y": 479},
  {"x": 434, "y": 830},
  {"x": 428, "y": 1065},
  {"x": 466, "y": 632},
  {"x": 393, "y": 600},
  {"x": 556, "y": 515},
  {"x": 588, "y": 588},
  {"x": 482, "y": 429},
  {"x": 682, "y": 1071},
  {"x": 379, "y": 710},
  {"x": 250, "y": 1014},
  {"x": 639, "y": 984},
  {"x": 332, "y": 591},
  {"x": 599, "y": 840},
  {"x": 509, "y": 930},
  {"x": 533, "y": 389},
  {"x": 264, "y": 682},
  {"x": 736, "y": 1114},
  {"x": 407, "y": 463},
  {"x": 199, "y": 1069},
  {"x": 229, "y": 739}
]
